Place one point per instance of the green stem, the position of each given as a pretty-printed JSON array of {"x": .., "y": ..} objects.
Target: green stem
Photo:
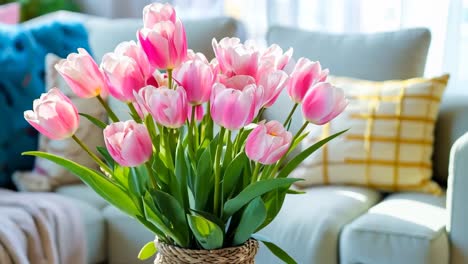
[
  {"x": 151, "y": 174},
  {"x": 229, "y": 146},
  {"x": 109, "y": 111},
  {"x": 209, "y": 123},
  {"x": 255, "y": 173},
  {"x": 134, "y": 112},
  {"x": 92, "y": 155},
  {"x": 290, "y": 114},
  {"x": 169, "y": 78},
  {"x": 193, "y": 128},
  {"x": 217, "y": 167}
]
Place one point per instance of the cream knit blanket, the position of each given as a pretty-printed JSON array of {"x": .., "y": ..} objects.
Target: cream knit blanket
[{"x": 40, "y": 228}]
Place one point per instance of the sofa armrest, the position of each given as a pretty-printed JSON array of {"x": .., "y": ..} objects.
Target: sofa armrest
[{"x": 457, "y": 201}]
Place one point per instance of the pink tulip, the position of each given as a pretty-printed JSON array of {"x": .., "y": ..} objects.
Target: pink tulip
[
  {"x": 322, "y": 103},
  {"x": 192, "y": 55},
  {"x": 82, "y": 74},
  {"x": 232, "y": 108},
  {"x": 128, "y": 143},
  {"x": 235, "y": 58},
  {"x": 240, "y": 82},
  {"x": 274, "y": 55},
  {"x": 199, "y": 112},
  {"x": 273, "y": 82},
  {"x": 134, "y": 51},
  {"x": 305, "y": 74},
  {"x": 167, "y": 106},
  {"x": 268, "y": 143},
  {"x": 124, "y": 76},
  {"x": 197, "y": 78},
  {"x": 53, "y": 115},
  {"x": 157, "y": 12},
  {"x": 165, "y": 44}
]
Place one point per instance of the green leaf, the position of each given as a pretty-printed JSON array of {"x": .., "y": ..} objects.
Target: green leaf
[
  {"x": 252, "y": 217},
  {"x": 94, "y": 120},
  {"x": 210, "y": 217},
  {"x": 291, "y": 191},
  {"x": 99, "y": 183},
  {"x": 233, "y": 174},
  {"x": 207, "y": 233},
  {"x": 287, "y": 169},
  {"x": 173, "y": 210},
  {"x": 107, "y": 157},
  {"x": 147, "y": 251},
  {"x": 254, "y": 190},
  {"x": 204, "y": 179},
  {"x": 152, "y": 215},
  {"x": 277, "y": 251},
  {"x": 273, "y": 202}
]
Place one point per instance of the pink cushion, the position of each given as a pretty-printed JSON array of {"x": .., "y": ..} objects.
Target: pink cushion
[{"x": 10, "y": 13}]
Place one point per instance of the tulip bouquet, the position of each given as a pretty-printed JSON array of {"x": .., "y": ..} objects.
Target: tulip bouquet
[{"x": 196, "y": 165}]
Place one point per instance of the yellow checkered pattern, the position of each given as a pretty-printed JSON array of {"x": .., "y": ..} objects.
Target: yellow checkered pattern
[{"x": 390, "y": 141}]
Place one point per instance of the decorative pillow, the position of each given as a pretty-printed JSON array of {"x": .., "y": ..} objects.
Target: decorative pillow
[
  {"x": 47, "y": 175},
  {"x": 390, "y": 139},
  {"x": 22, "y": 80},
  {"x": 10, "y": 13}
]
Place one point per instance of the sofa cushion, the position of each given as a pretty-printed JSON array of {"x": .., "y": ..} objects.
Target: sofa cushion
[
  {"x": 404, "y": 228},
  {"x": 83, "y": 193},
  {"x": 125, "y": 237},
  {"x": 390, "y": 140},
  {"x": 308, "y": 225},
  {"x": 95, "y": 231},
  {"x": 376, "y": 56}
]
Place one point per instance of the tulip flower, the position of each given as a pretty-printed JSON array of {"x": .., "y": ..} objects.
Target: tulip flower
[
  {"x": 134, "y": 51},
  {"x": 232, "y": 108},
  {"x": 82, "y": 74},
  {"x": 128, "y": 143},
  {"x": 199, "y": 112},
  {"x": 235, "y": 58},
  {"x": 240, "y": 82},
  {"x": 165, "y": 44},
  {"x": 322, "y": 103},
  {"x": 53, "y": 115},
  {"x": 197, "y": 78},
  {"x": 124, "y": 76},
  {"x": 267, "y": 143},
  {"x": 273, "y": 82},
  {"x": 158, "y": 12},
  {"x": 274, "y": 55},
  {"x": 167, "y": 106},
  {"x": 306, "y": 73}
]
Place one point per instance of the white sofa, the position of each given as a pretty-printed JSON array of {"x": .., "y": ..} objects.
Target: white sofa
[{"x": 328, "y": 224}]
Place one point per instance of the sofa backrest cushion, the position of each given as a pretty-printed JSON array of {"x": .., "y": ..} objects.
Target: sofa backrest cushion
[{"x": 375, "y": 56}]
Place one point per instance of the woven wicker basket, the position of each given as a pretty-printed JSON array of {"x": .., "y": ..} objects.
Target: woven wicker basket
[{"x": 244, "y": 254}]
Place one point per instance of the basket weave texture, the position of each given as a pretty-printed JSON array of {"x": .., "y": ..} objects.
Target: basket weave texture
[{"x": 244, "y": 254}]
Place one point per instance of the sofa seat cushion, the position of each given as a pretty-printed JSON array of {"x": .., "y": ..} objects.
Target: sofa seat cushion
[
  {"x": 95, "y": 230},
  {"x": 309, "y": 224},
  {"x": 83, "y": 193},
  {"x": 404, "y": 228},
  {"x": 125, "y": 237}
]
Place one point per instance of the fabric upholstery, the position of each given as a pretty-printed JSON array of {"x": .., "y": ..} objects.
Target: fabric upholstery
[
  {"x": 95, "y": 229},
  {"x": 390, "y": 139},
  {"x": 308, "y": 225},
  {"x": 457, "y": 198},
  {"x": 47, "y": 175},
  {"x": 83, "y": 193},
  {"x": 404, "y": 228},
  {"x": 376, "y": 56},
  {"x": 125, "y": 237},
  {"x": 451, "y": 124}
]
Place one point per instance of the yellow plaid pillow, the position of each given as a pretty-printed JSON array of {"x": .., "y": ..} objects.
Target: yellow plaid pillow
[{"x": 390, "y": 141}]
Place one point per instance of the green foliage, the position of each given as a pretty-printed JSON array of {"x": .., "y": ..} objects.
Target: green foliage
[{"x": 196, "y": 191}]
